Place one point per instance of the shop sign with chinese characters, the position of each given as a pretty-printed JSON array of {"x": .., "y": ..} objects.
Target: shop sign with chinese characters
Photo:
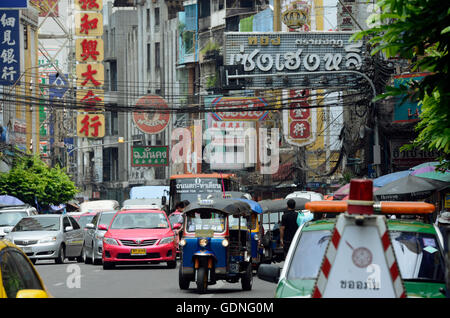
[
  {"x": 286, "y": 53},
  {"x": 9, "y": 47},
  {"x": 299, "y": 120},
  {"x": 91, "y": 125},
  {"x": 149, "y": 156},
  {"x": 89, "y": 54}
]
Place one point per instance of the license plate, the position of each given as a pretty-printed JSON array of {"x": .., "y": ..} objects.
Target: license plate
[{"x": 138, "y": 251}]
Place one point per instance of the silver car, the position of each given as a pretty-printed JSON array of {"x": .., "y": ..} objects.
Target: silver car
[
  {"x": 93, "y": 237},
  {"x": 10, "y": 215},
  {"x": 48, "y": 237}
]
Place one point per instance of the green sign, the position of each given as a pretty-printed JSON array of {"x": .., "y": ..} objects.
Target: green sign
[{"x": 149, "y": 156}]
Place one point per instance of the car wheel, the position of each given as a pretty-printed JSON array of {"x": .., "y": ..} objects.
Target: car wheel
[
  {"x": 94, "y": 260},
  {"x": 202, "y": 279},
  {"x": 171, "y": 264},
  {"x": 183, "y": 282},
  {"x": 80, "y": 259},
  {"x": 247, "y": 279},
  {"x": 61, "y": 256},
  {"x": 108, "y": 265},
  {"x": 87, "y": 260}
]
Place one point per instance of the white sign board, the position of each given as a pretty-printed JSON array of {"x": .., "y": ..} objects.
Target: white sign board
[{"x": 360, "y": 261}]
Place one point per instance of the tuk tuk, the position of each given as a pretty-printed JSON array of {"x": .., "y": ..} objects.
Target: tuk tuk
[
  {"x": 216, "y": 244},
  {"x": 272, "y": 213}
]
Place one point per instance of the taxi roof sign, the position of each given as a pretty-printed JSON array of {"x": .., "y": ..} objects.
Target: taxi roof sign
[{"x": 359, "y": 261}]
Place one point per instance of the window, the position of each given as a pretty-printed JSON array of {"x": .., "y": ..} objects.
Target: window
[
  {"x": 66, "y": 223},
  {"x": 148, "y": 19},
  {"x": 113, "y": 76},
  {"x": 148, "y": 56},
  {"x": 157, "y": 56},
  {"x": 17, "y": 273},
  {"x": 95, "y": 219},
  {"x": 217, "y": 5},
  {"x": 75, "y": 224},
  {"x": 157, "y": 19}
]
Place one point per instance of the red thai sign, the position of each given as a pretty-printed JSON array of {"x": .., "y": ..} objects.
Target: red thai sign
[
  {"x": 152, "y": 121},
  {"x": 243, "y": 104}
]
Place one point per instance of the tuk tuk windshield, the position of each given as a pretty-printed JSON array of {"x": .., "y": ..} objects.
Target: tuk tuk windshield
[
  {"x": 234, "y": 223},
  {"x": 205, "y": 221}
]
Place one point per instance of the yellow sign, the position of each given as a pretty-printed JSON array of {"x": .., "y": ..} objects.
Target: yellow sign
[
  {"x": 89, "y": 5},
  {"x": 90, "y": 75},
  {"x": 88, "y": 24},
  {"x": 89, "y": 50},
  {"x": 91, "y": 125},
  {"x": 91, "y": 99}
]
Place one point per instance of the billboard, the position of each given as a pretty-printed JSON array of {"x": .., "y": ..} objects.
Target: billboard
[
  {"x": 295, "y": 59},
  {"x": 14, "y": 4},
  {"x": 407, "y": 111},
  {"x": 9, "y": 47}
]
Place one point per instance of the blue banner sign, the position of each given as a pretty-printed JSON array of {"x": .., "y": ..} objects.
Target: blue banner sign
[
  {"x": 58, "y": 85},
  {"x": 407, "y": 111},
  {"x": 9, "y": 47},
  {"x": 14, "y": 4}
]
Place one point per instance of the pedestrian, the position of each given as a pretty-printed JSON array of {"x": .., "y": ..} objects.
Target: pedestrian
[{"x": 288, "y": 226}]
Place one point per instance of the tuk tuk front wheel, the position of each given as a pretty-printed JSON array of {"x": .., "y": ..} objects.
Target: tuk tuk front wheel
[
  {"x": 202, "y": 279},
  {"x": 183, "y": 282},
  {"x": 247, "y": 279}
]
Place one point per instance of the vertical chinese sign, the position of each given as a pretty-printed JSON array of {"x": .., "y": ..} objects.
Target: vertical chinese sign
[
  {"x": 9, "y": 47},
  {"x": 90, "y": 70},
  {"x": 300, "y": 120}
]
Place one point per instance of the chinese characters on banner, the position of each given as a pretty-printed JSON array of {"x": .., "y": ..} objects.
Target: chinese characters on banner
[
  {"x": 9, "y": 47},
  {"x": 90, "y": 70},
  {"x": 299, "y": 120}
]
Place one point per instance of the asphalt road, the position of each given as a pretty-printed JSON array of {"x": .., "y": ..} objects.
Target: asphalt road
[{"x": 79, "y": 280}]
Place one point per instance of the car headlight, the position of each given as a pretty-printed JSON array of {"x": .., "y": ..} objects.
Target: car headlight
[
  {"x": 166, "y": 240},
  {"x": 99, "y": 236},
  {"x": 225, "y": 243},
  {"x": 203, "y": 242},
  {"x": 182, "y": 243},
  {"x": 49, "y": 239},
  {"x": 110, "y": 241}
]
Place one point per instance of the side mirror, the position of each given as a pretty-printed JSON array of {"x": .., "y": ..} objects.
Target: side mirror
[
  {"x": 31, "y": 293},
  {"x": 177, "y": 226},
  {"x": 90, "y": 226},
  {"x": 68, "y": 228},
  {"x": 269, "y": 273},
  {"x": 7, "y": 230},
  {"x": 163, "y": 200},
  {"x": 103, "y": 227}
]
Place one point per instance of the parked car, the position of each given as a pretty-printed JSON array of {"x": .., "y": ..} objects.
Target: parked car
[
  {"x": 10, "y": 215},
  {"x": 93, "y": 237},
  {"x": 48, "y": 236},
  {"x": 19, "y": 278},
  {"x": 139, "y": 236},
  {"x": 417, "y": 246}
]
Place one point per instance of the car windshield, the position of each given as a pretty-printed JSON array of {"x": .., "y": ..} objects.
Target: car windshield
[
  {"x": 37, "y": 224},
  {"x": 140, "y": 221},
  {"x": 11, "y": 218},
  {"x": 85, "y": 219},
  {"x": 106, "y": 218},
  {"x": 206, "y": 221},
  {"x": 417, "y": 254}
]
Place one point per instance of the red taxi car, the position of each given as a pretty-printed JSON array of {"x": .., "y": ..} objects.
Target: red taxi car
[{"x": 139, "y": 236}]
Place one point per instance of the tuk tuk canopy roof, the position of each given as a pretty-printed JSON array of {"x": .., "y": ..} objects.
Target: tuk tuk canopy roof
[
  {"x": 233, "y": 207},
  {"x": 281, "y": 205}
]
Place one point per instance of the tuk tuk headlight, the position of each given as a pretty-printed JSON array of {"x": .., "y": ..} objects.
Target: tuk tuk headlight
[
  {"x": 182, "y": 242},
  {"x": 203, "y": 242},
  {"x": 256, "y": 237},
  {"x": 225, "y": 243}
]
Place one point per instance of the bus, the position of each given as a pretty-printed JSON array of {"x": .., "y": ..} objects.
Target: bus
[{"x": 192, "y": 187}]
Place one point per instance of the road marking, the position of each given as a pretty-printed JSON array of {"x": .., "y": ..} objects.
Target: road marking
[{"x": 58, "y": 284}]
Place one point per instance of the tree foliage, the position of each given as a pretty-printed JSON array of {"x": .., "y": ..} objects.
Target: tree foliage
[
  {"x": 31, "y": 179},
  {"x": 419, "y": 30}
]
